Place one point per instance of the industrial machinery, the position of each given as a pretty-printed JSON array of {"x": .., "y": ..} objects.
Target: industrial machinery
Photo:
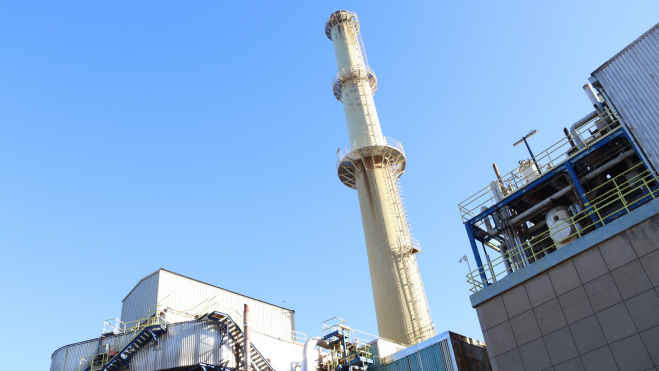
[
  {"x": 590, "y": 177},
  {"x": 372, "y": 164},
  {"x": 346, "y": 352}
]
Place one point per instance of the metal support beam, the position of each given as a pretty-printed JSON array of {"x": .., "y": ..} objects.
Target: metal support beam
[
  {"x": 155, "y": 337},
  {"x": 477, "y": 255},
  {"x": 582, "y": 194}
]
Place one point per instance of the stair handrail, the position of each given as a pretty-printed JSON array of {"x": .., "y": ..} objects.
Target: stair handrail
[{"x": 240, "y": 330}]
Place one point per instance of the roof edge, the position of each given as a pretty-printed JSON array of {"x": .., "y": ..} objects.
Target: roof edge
[
  {"x": 625, "y": 49},
  {"x": 205, "y": 283}
]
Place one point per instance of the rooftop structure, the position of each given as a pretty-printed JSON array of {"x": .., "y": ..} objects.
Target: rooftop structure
[
  {"x": 186, "y": 324},
  {"x": 568, "y": 274},
  {"x": 372, "y": 164}
]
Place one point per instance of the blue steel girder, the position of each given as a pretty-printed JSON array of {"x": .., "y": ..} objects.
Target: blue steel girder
[
  {"x": 566, "y": 166},
  {"x": 508, "y": 200}
]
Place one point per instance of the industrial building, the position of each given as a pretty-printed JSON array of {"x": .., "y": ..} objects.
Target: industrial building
[
  {"x": 567, "y": 244},
  {"x": 175, "y": 323}
]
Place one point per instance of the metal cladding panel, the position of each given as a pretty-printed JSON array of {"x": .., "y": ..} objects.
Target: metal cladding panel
[
  {"x": 280, "y": 353},
  {"x": 432, "y": 359},
  {"x": 375, "y": 352},
  {"x": 68, "y": 358},
  {"x": 184, "y": 345},
  {"x": 631, "y": 82},
  {"x": 400, "y": 365},
  {"x": 415, "y": 362},
  {"x": 183, "y": 293},
  {"x": 144, "y": 295}
]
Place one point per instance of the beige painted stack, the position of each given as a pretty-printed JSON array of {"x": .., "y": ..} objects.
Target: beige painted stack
[{"x": 372, "y": 164}]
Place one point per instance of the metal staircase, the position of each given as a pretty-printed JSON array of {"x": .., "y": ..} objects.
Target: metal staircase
[
  {"x": 125, "y": 347},
  {"x": 235, "y": 333}
]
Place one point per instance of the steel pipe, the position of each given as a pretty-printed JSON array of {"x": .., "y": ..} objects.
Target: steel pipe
[
  {"x": 577, "y": 125},
  {"x": 248, "y": 351},
  {"x": 537, "y": 209}
]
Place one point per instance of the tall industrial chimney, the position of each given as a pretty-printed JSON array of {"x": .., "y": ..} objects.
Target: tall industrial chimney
[{"x": 372, "y": 164}]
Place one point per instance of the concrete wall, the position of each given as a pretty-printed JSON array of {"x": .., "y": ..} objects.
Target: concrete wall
[{"x": 595, "y": 311}]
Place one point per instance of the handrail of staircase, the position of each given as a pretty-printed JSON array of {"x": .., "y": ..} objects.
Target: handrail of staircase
[{"x": 228, "y": 317}]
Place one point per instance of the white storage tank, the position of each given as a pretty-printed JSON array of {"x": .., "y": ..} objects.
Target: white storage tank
[
  {"x": 528, "y": 171},
  {"x": 561, "y": 227}
]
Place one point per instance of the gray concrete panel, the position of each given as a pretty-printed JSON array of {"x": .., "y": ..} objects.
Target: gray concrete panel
[
  {"x": 525, "y": 328},
  {"x": 617, "y": 251},
  {"x": 644, "y": 237},
  {"x": 491, "y": 313},
  {"x": 630, "y": 354},
  {"x": 509, "y": 361},
  {"x": 587, "y": 335},
  {"x": 534, "y": 356},
  {"x": 590, "y": 265},
  {"x": 651, "y": 340},
  {"x": 602, "y": 292},
  {"x": 616, "y": 323},
  {"x": 575, "y": 305},
  {"x": 560, "y": 346},
  {"x": 574, "y": 364},
  {"x": 650, "y": 263},
  {"x": 644, "y": 310},
  {"x": 600, "y": 360},
  {"x": 564, "y": 277},
  {"x": 631, "y": 279},
  {"x": 539, "y": 289},
  {"x": 550, "y": 317},
  {"x": 499, "y": 339},
  {"x": 516, "y": 301}
]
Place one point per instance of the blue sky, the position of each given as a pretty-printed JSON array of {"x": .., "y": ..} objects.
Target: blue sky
[{"x": 200, "y": 137}]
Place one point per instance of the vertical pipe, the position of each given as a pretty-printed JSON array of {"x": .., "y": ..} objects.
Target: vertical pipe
[
  {"x": 592, "y": 96},
  {"x": 496, "y": 170},
  {"x": 582, "y": 194},
  {"x": 248, "y": 353},
  {"x": 569, "y": 138}
]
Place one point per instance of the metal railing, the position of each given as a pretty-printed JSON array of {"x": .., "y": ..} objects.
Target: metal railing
[
  {"x": 358, "y": 347},
  {"x": 299, "y": 337},
  {"x": 367, "y": 142},
  {"x": 126, "y": 332},
  {"x": 362, "y": 72},
  {"x": 590, "y": 133},
  {"x": 610, "y": 200}
]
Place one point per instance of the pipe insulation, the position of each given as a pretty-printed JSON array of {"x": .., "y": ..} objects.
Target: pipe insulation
[
  {"x": 537, "y": 209},
  {"x": 577, "y": 125},
  {"x": 308, "y": 363}
]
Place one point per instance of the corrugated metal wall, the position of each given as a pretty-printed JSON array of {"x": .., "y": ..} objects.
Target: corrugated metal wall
[
  {"x": 184, "y": 344},
  {"x": 436, "y": 357},
  {"x": 433, "y": 359},
  {"x": 68, "y": 358},
  {"x": 138, "y": 301},
  {"x": 631, "y": 82},
  {"x": 182, "y": 293},
  {"x": 185, "y": 293}
]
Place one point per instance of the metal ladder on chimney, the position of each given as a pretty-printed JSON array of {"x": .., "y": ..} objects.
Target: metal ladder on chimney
[
  {"x": 365, "y": 85},
  {"x": 409, "y": 276}
]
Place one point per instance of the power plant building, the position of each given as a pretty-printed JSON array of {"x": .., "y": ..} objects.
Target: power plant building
[
  {"x": 567, "y": 244},
  {"x": 170, "y": 322}
]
